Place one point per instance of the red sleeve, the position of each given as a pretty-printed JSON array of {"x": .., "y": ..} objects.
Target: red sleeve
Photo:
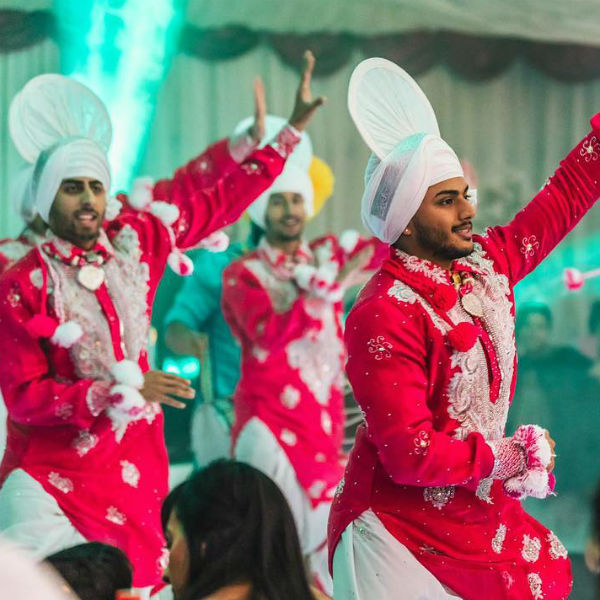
[
  {"x": 32, "y": 392},
  {"x": 249, "y": 311},
  {"x": 204, "y": 210},
  {"x": 391, "y": 387},
  {"x": 565, "y": 198}
]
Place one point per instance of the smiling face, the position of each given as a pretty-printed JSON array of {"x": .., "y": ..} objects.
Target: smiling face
[
  {"x": 441, "y": 231},
  {"x": 78, "y": 211},
  {"x": 285, "y": 218}
]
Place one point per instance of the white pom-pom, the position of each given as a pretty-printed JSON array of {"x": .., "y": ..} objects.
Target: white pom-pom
[
  {"x": 141, "y": 193},
  {"x": 180, "y": 263},
  {"x": 534, "y": 483},
  {"x": 167, "y": 213},
  {"x": 67, "y": 334},
  {"x": 128, "y": 372},
  {"x": 215, "y": 242},
  {"x": 303, "y": 274},
  {"x": 349, "y": 239},
  {"x": 532, "y": 438},
  {"x": 113, "y": 208},
  {"x": 128, "y": 408}
]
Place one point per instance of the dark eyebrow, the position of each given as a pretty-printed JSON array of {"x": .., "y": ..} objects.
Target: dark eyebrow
[
  {"x": 451, "y": 192},
  {"x": 72, "y": 181}
]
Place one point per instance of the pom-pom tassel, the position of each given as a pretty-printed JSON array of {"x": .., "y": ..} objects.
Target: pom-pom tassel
[
  {"x": 180, "y": 263},
  {"x": 67, "y": 334},
  {"x": 463, "y": 336}
]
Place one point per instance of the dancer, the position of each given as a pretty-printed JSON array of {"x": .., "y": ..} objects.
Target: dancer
[
  {"x": 429, "y": 502},
  {"x": 284, "y": 303},
  {"x": 85, "y": 456}
]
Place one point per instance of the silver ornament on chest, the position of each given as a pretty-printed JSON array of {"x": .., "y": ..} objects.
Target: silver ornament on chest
[
  {"x": 472, "y": 304},
  {"x": 90, "y": 277}
]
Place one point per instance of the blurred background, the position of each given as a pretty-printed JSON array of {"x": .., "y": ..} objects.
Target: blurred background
[{"x": 513, "y": 83}]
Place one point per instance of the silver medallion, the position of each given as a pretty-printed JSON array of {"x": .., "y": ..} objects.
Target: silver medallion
[
  {"x": 472, "y": 304},
  {"x": 90, "y": 277}
]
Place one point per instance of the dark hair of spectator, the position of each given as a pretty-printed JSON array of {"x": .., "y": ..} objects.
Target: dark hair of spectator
[
  {"x": 239, "y": 528},
  {"x": 528, "y": 310},
  {"x": 94, "y": 571}
]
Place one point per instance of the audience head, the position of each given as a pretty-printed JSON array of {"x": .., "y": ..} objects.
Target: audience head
[
  {"x": 533, "y": 327},
  {"x": 229, "y": 524},
  {"x": 94, "y": 571}
]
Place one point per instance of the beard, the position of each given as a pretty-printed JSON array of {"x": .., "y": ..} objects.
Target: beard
[{"x": 437, "y": 242}]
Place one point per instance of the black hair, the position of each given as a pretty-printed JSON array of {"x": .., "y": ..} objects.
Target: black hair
[
  {"x": 94, "y": 571},
  {"x": 239, "y": 528},
  {"x": 528, "y": 310}
]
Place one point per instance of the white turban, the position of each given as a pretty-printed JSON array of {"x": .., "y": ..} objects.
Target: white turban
[
  {"x": 20, "y": 194},
  {"x": 62, "y": 128},
  {"x": 71, "y": 157},
  {"x": 292, "y": 179},
  {"x": 397, "y": 122}
]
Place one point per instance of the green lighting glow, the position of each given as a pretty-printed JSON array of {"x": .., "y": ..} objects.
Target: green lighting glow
[
  {"x": 121, "y": 49},
  {"x": 184, "y": 366}
]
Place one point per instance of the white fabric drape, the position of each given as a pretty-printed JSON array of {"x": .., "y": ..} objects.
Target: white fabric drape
[
  {"x": 548, "y": 20},
  {"x": 16, "y": 68}
]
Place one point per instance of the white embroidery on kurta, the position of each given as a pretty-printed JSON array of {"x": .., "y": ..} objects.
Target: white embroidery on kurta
[
  {"x": 288, "y": 437},
  {"x": 590, "y": 149},
  {"x": 557, "y": 550},
  {"x": 259, "y": 354},
  {"x": 290, "y": 397},
  {"x": 64, "y": 484},
  {"x": 498, "y": 540},
  {"x": 13, "y": 297},
  {"x": 64, "y": 411},
  {"x": 340, "y": 487},
  {"x": 421, "y": 442},
  {"x": 438, "y": 496},
  {"x": 529, "y": 246},
  {"x": 535, "y": 585},
  {"x": 130, "y": 473},
  {"x": 84, "y": 442},
  {"x": 418, "y": 265},
  {"x": 379, "y": 347},
  {"x": 484, "y": 490},
  {"x": 531, "y": 548},
  {"x": 115, "y": 516},
  {"x": 316, "y": 488}
]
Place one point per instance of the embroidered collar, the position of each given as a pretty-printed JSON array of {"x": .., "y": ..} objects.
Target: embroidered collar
[
  {"x": 31, "y": 238},
  {"x": 66, "y": 252},
  {"x": 283, "y": 264}
]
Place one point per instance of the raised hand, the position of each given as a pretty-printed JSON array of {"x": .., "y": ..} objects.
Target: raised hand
[
  {"x": 305, "y": 107},
  {"x": 160, "y": 387},
  {"x": 353, "y": 272},
  {"x": 257, "y": 131}
]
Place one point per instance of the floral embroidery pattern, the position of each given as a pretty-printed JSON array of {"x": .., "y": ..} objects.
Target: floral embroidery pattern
[
  {"x": 290, "y": 397},
  {"x": 288, "y": 437},
  {"x": 64, "y": 411},
  {"x": 590, "y": 149},
  {"x": 484, "y": 490},
  {"x": 439, "y": 496},
  {"x": 13, "y": 297},
  {"x": 340, "y": 487},
  {"x": 402, "y": 292},
  {"x": 498, "y": 540},
  {"x": 531, "y": 548},
  {"x": 84, "y": 442},
  {"x": 422, "y": 442},
  {"x": 418, "y": 265},
  {"x": 64, "y": 484},
  {"x": 529, "y": 246},
  {"x": 535, "y": 585},
  {"x": 115, "y": 516},
  {"x": 557, "y": 550},
  {"x": 379, "y": 347},
  {"x": 130, "y": 473}
]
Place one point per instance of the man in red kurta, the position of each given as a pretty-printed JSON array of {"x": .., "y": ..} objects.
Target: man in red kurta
[
  {"x": 85, "y": 455},
  {"x": 284, "y": 303},
  {"x": 430, "y": 496}
]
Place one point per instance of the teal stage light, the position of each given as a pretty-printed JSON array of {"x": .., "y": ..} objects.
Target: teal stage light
[
  {"x": 121, "y": 49},
  {"x": 184, "y": 366}
]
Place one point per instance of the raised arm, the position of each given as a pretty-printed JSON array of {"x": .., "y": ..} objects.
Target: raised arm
[{"x": 565, "y": 198}]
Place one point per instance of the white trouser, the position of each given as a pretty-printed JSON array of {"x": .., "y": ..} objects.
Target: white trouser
[
  {"x": 257, "y": 446},
  {"x": 210, "y": 435},
  {"x": 370, "y": 563}
]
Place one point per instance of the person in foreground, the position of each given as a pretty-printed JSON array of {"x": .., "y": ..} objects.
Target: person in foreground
[
  {"x": 231, "y": 536},
  {"x": 429, "y": 503},
  {"x": 85, "y": 457}
]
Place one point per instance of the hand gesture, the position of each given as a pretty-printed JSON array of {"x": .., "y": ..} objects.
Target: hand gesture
[
  {"x": 305, "y": 106},
  {"x": 257, "y": 131},
  {"x": 353, "y": 272},
  {"x": 160, "y": 387}
]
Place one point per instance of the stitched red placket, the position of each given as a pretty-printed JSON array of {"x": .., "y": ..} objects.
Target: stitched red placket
[
  {"x": 494, "y": 373},
  {"x": 114, "y": 323}
]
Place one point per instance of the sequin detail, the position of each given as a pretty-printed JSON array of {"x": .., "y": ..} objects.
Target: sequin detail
[
  {"x": 531, "y": 548},
  {"x": 115, "y": 516},
  {"x": 422, "y": 442},
  {"x": 529, "y": 246},
  {"x": 535, "y": 585},
  {"x": 288, "y": 437},
  {"x": 290, "y": 397},
  {"x": 379, "y": 347},
  {"x": 439, "y": 496},
  {"x": 498, "y": 540},
  {"x": 130, "y": 473},
  {"x": 557, "y": 550},
  {"x": 64, "y": 484},
  {"x": 84, "y": 442}
]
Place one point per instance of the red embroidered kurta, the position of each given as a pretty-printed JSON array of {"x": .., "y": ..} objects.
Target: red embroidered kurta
[
  {"x": 423, "y": 459},
  {"x": 110, "y": 483},
  {"x": 292, "y": 355}
]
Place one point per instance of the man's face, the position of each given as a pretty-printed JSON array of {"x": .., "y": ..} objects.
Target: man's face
[
  {"x": 78, "y": 211},
  {"x": 534, "y": 334},
  {"x": 286, "y": 217},
  {"x": 177, "y": 573},
  {"x": 442, "y": 227}
]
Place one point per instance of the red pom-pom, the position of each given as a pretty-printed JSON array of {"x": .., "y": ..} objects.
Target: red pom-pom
[
  {"x": 444, "y": 297},
  {"x": 41, "y": 326},
  {"x": 463, "y": 337}
]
